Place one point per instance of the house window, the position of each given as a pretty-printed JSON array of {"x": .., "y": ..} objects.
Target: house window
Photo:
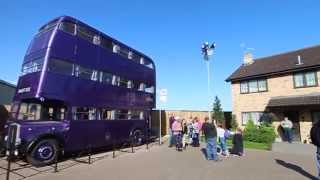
[
  {"x": 253, "y": 86},
  {"x": 244, "y": 87},
  {"x": 262, "y": 85},
  {"x": 253, "y": 116},
  {"x": 307, "y": 79}
]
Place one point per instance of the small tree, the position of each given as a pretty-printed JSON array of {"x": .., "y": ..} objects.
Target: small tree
[{"x": 218, "y": 114}]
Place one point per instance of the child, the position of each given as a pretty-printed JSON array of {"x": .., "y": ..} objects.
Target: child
[
  {"x": 177, "y": 133},
  {"x": 237, "y": 142},
  {"x": 222, "y": 140}
]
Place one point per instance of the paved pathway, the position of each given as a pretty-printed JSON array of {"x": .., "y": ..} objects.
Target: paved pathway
[
  {"x": 162, "y": 163},
  {"x": 294, "y": 148}
]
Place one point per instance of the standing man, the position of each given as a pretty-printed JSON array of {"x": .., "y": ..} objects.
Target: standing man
[
  {"x": 287, "y": 125},
  {"x": 315, "y": 138},
  {"x": 210, "y": 133},
  {"x": 4, "y": 115},
  {"x": 171, "y": 139}
]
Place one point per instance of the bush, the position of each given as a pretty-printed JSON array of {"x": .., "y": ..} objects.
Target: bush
[{"x": 263, "y": 133}]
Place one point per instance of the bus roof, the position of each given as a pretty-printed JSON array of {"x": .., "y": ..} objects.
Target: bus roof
[{"x": 76, "y": 21}]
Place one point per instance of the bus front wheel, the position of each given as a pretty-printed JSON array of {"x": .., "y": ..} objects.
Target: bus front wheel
[
  {"x": 137, "y": 137},
  {"x": 43, "y": 153}
]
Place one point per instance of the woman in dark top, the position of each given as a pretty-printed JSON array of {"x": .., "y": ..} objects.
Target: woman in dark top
[{"x": 237, "y": 142}]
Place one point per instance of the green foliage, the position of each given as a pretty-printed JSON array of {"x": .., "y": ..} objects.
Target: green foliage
[
  {"x": 218, "y": 114},
  {"x": 263, "y": 133},
  {"x": 234, "y": 123}
]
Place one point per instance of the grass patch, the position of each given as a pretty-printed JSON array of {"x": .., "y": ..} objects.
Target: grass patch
[{"x": 247, "y": 144}]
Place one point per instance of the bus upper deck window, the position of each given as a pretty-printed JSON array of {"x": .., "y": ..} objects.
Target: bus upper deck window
[
  {"x": 67, "y": 27},
  {"x": 115, "y": 48},
  {"x": 149, "y": 89},
  {"x": 148, "y": 64},
  {"x": 85, "y": 33},
  {"x": 96, "y": 40},
  {"x": 142, "y": 60},
  {"x": 142, "y": 87},
  {"x": 130, "y": 55},
  {"x": 106, "y": 43}
]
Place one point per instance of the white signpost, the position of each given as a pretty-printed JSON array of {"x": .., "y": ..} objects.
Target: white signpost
[{"x": 163, "y": 99}]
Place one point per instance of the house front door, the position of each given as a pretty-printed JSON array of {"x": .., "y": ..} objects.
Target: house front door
[{"x": 294, "y": 117}]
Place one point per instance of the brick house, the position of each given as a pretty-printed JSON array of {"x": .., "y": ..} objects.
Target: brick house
[{"x": 278, "y": 86}]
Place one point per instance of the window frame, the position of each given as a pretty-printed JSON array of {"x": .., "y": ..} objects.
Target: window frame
[
  {"x": 304, "y": 79},
  {"x": 250, "y": 112},
  {"x": 247, "y": 82}
]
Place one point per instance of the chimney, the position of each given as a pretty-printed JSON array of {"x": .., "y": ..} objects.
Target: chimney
[
  {"x": 299, "y": 60},
  {"x": 247, "y": 58}
]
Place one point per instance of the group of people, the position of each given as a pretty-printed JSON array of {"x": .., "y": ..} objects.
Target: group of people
[
  {"x": 184, "y": 133},
  {"x": 187, "y": 132}
]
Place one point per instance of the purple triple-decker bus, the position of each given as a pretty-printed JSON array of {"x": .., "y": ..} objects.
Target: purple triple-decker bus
[{"x": 79, "y": 89}]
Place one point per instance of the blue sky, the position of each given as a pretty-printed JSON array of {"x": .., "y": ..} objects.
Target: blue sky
[{"x": 171, "y": 32}]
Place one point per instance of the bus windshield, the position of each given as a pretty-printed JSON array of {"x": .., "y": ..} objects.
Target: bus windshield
[{"x": 35, "y": 111}]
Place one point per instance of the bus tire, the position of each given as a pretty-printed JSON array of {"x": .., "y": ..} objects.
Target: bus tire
[
  {"x": 43, "y": 153},
  {"x": 137, "y": 137}
]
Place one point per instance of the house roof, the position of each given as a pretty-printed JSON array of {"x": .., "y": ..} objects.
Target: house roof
[
  {"x": 7, "y": 83},
  {"x": 278, "y": 64},
  {"x": 302, "y": 100}
]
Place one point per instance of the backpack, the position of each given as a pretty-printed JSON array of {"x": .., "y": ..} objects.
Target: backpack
[{"x": 315, "y": 134}]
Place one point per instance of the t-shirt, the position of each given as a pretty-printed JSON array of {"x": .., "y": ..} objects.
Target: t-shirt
[
  {"x": 209, "y": 130},
  {"x": 286, "y": 124},
  {"x": 220, "y": 132}
]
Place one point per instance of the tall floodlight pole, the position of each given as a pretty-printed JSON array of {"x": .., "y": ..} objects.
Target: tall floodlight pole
[{"x": 207, "y": 51}]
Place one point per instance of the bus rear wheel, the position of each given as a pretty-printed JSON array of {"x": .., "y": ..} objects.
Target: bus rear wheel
[
  {"x": 43, "y": 153},
  {"x": 137, "y": 137}
]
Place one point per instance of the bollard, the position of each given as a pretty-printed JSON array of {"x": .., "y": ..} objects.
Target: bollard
[
  {"x": 132, "y": 149},
  {"x": 89, "y": 153},
  {"x": 113, "y": 148},
  {"x": 56, "y": 162},
  {"x": 9, "y": 166}
]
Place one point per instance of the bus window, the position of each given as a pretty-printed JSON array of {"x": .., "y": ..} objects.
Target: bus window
[
  {"x": 121, "y": 114},
  {"x": 133, "y": 114},
  {"x": 148, "y": 64},
  {"x": 83, "y": 113},
  {"x": 29, "y": 111},
  {"x": 83, "y": 73},
  {"x": 130, "y": 84},
  {"x": 116, "y": 80},
  {"x": 142, "y": 87},
  {"x": 106, "y": 43},
  {"x": 94, "y": 76},
  {"x": 60, "y": 67},
  {"x": 106, "y": 114},
  {"x": 47, "y": 27},
  {"x": 124, "y": 52},
  {"x": 149, "y": 89},
  {"x": 142, "y": 60},
  {"x": 124, "y": 82},
  {"x": 32, "y": 66},
  {"x": 130, "y": 55},
  {"x": 67, "y": 27},
  {"x": 96, "y": 40},
  {"x": 106, "y": 78},
  {"x": 85, "y": 33},
  {"x": 135, "y": 58}
]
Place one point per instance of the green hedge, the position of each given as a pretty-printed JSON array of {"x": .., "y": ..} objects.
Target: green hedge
[{"x": 263, "y": 133}]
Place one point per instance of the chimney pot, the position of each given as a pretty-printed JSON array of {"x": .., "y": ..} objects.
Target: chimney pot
[{"x": 248, "y": 58}]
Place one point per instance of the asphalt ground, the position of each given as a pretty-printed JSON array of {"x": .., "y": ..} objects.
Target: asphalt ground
[{"x": 163, "y": 163}]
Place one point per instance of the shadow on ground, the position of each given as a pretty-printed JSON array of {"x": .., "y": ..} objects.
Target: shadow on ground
[{"x": 296, "y": 168}]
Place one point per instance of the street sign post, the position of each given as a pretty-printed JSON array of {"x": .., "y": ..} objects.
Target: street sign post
[{"x": 163, "y": 99}]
